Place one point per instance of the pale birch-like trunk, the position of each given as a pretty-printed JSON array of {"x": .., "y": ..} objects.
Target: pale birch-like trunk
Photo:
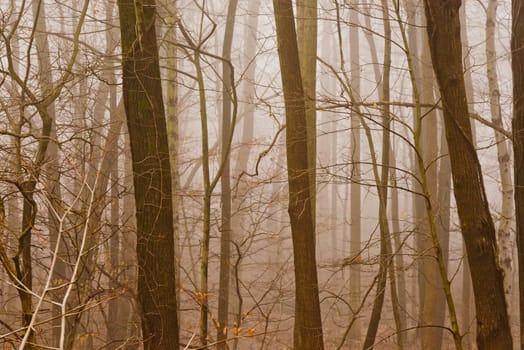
[{"x": 504, "y": 230}]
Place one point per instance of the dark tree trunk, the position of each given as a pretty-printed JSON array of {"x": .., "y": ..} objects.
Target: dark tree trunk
[
  {"x": 308, "y": 325},
  {"x": 477, "y": 226},
  {"x": 144, "y": 108},
  {"x": 517, "y": 65}
]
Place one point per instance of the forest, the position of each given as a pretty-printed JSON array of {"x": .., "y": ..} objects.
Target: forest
[{"x": 251, "y": 174}]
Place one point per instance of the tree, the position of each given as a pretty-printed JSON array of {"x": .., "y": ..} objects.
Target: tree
[
  {"x": 355, "y": 187},
  {"x": 308, "y": 324},
  {"x": 504, "y": 233},
  {"x": 517, "y": 65},
  {"x": 225, "y": 183},
  {"x": 307, "y": 29},
  {"x": 146, "y": 123},
  {"x": 443, "y": 26}
]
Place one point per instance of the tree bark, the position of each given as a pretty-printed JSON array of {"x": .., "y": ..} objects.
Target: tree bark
[
  {"x": 468, "y": 314},
  {"x": 517, "y": 65},
  {"x": 443, "y": 26},
  {"x": 308, "y": 325},
  {"x": 307, "y": 29},
  {"x": 504, "y": 238},
  {"x": 225, "y": 183},
  {"x": 169, "y": 8},
  {"x": 144, "y": 108}
]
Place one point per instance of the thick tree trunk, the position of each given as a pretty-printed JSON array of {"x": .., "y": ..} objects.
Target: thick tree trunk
[
  {"x": 307, "y": 28},
  {"x": 308, "y": 325},
  {"x": 475, "y": 218},
  {"x": 517, "y": 65},
  {"x": 468, "y": 314},
  {"x": 144, "y": 107}
]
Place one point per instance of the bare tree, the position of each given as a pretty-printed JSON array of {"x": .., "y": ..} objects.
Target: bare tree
[
  {"x": 308, "y": 325},
  {"x": 144, "y": 107},
  {"x": 477, "y": 226},
  {"x": 225, "y": 182}
]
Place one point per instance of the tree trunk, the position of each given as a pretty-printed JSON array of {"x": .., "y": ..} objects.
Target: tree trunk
[
  {"x": 434, "y": 302},
  {"x": 504, "y": 238},
  {"x": 129, "y": 316},
  {"x": 307, "y": 28},
  {"x": 468, "y": 314},
  {"x": 52, "y": 167},
  {"x": 116, "y": 310},
  {"x": 248, "y": 90},
  {"x": 172, "y": 120},
  {"x": 517, "y": 65},
  {"x": 399, "y": 261},
  {"x": 477, "y": 226},
  {"x": 355, "y": 187},
  {"x": 144, "y": 107},
  {"x": 225, "y": 183},
  {"x": 385, "y": 260},
  {"x": 308, "y": 325}
]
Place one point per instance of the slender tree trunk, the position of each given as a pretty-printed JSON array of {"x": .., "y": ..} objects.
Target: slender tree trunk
[
  {"x": 241, "y": 163},
  {"x": 117, "y": 313},
  {"x": 434, "y": 301},
  {"x": 52, "y": 166},
  {"x": 355, "y": 187},
  {"x": 130, "y": 317},
  {"x": 413, "y": 35},
  {"x": 399, "y": 261},
  {"x": 308, "y": 324},
  {"x": 225, "y": 183},
  {"x": 144, "y": 107},
  {"x": 475, "y": 218},
  {"x": 386, "y": 261}
]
